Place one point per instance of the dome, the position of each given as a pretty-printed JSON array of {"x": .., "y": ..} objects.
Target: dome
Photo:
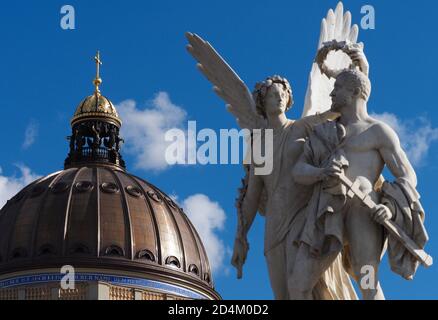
[
  {"x": 96, "y": 106},
  {"x": 102, "y": 216}
]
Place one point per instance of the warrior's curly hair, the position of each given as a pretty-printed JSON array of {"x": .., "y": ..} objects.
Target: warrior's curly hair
[
  {"x": 356, "y": 79},
  {"x": 261, "y": 89}
]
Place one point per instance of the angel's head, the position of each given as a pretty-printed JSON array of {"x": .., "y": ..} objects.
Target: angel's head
[
  {"x": 273, "y": 96},
  {"x": 350, "y": 86}
]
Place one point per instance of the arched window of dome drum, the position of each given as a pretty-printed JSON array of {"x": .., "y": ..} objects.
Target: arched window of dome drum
[
  {"x": 133, "y": 191},
  {"x": 79, "y": 249},
  {"x": 84, "y": 186},
  {"x": 146, "y": 255},
  {"x": 194, "y": 269},
  {"x": 19, "y": 253},
  {"x": 109, "y": 187},
  {"x": 153, "y": 195},
  {"x": 207, "y": 277},
  {"x": 171, "y": 203},
  {"x": 114, "y": 251},
  {"x": 46, "y": 250},
  {"x": 173, "y": 261}
]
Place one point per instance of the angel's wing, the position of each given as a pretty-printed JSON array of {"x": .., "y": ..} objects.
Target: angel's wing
[
  {"x": 336, "y": 26},
  {"x": 226, "y": 83}
]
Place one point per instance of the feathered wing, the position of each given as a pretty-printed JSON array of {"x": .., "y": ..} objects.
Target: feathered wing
[
  {"x": 226, "y": 83},
  {"x": 228, "y": 86},
  {"x": 336, "y": 26}
]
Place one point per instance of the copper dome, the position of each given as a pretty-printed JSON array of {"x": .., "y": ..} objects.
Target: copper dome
[{"x": 102, "y": 216}]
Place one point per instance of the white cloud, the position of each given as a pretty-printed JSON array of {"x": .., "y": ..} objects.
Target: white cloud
[
  {"x": 208, "y": 218},
  {"x": 144, "y": 129},
  {"x": 9, "y": 186},
  {"x": 416, "y": 135},
  {"x": 30, "y": 134}
]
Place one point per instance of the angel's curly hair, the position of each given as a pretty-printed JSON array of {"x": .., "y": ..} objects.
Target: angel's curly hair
[{"x": 261, "y": 89}]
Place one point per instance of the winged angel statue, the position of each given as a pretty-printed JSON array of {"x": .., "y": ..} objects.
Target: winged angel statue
[{"x": 277, "y": 196}]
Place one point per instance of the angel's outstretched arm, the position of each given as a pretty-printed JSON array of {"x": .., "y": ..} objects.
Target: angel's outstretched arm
[{"x": 305, "y": 125}]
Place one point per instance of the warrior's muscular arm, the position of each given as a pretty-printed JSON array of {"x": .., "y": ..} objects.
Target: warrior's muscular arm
[
  {"x": 393, "y": 154},
  {"x": 396, "y": 160}
]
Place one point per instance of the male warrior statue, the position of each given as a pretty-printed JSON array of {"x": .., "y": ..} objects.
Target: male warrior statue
[{"x": 355, "y": 147}]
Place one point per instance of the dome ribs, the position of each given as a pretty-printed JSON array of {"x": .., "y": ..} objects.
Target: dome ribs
[
  {"x": 98, "y": 234},
  {"x": 179, "y": 233},
  {"x": 168, "y": 233},
  {"x": 143, "y": 228},
  {"x": 113, "y": 231},
  {"x": 190, "y": 245},
  {"x": 154, "y": 221},
  {"x": 26, "y": 219},
  {"x": 80, "y": 227},
  {"x": 130, "y": 244},
  {"x": 10, "y": 222},
  {"x": 68, "y": 210},
  {"x": 41, "y": 237},
  {"x": 201, "y": 253},
  {"x": 196, "y": 241},
  {"x": 205, "y": 267}
]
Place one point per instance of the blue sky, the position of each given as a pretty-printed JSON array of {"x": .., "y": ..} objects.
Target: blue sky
[{"x": 46, "y": 71}]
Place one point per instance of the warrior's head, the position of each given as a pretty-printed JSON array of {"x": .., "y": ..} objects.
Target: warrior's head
[
  {"x": 273, "y": 96},
  {"x": 350, "y": 86}
]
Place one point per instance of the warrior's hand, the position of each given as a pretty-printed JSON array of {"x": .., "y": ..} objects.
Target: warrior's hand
[
  {"x": 332, "y": 171},
  {"x": 358, "y": 57},
  {"x": 381, "y": 214},
  {"x": 239, "y": 255}
]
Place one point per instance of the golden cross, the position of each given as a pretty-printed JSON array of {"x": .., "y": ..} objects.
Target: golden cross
[{"x": 98, "y": 81}]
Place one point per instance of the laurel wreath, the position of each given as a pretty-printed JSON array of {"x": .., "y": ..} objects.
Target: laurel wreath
[{"x": 334, "y": 45}]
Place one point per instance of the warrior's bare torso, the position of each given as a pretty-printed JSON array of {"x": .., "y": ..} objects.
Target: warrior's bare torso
[{"x": 362, "y": 149}]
